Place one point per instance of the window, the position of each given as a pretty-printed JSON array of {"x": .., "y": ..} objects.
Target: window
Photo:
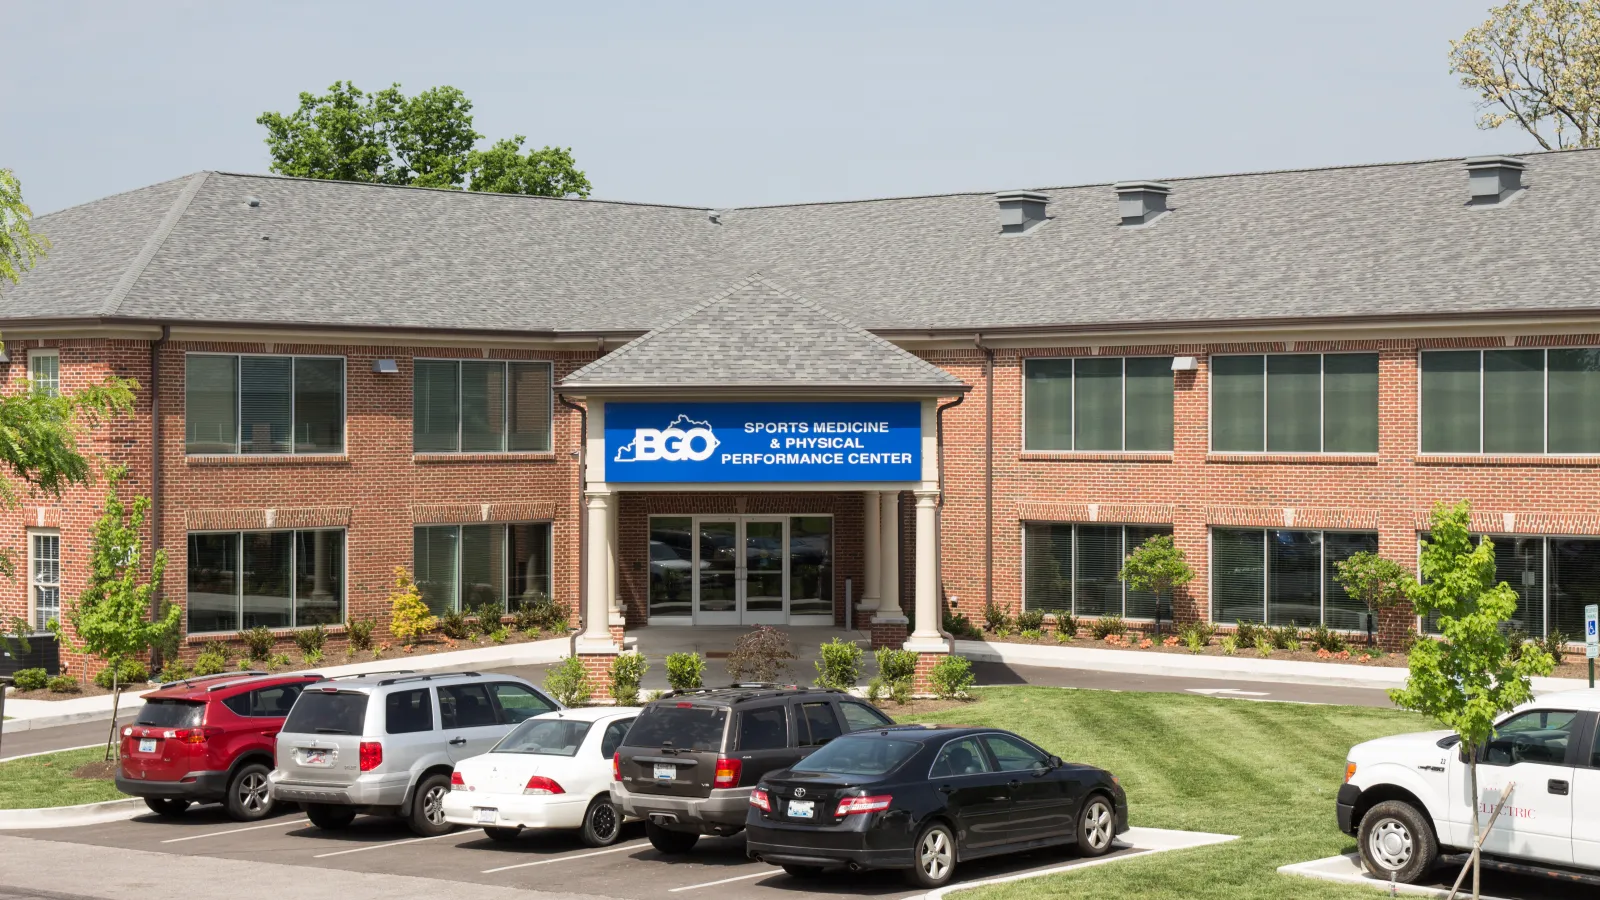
[
  {"x": 267, "y": 703},
  {"x": 466, "y": 706},
  {"x": 697, "y": 729},
  {"x": 1295, "y": 403},
  {"x": 859, "y": 757},
  {"x": 860, "y": 717},
  {"x": 960, "y": 757},
  {"x": 1098, "y": 403},
  {"x": 170, "y": 714},
  {"x": 263, "y": 404},
  {"x": 1537, "y": 736},
  {"x": 319, "y": 712},
  {"x": 763, "y": 729},
  {"x": 1013, "y": 755},
  {"x": 44, "y": 370},
  {"x": 1554, "y": 577},
  {"x": 1284, "y": 577},
  {"x": 408, "y": 712},
  {"x": 671, "y": 565},
  {"x": 44, "y": 578},
  {"x": 1073, "y": 569},
  {"x": 275, "y": 579},
  {"x": 460, "y": 567},
  {"x": 517, "y": 703},
  {"x": 480, "y": 406},
  {"x": 821, "y": 726},
  {"x": 811, "y": 566},
  {"x": 546, "y": 737},
  {"x": 615, "y": 734},
  {"x": 1511, "y": 401}
]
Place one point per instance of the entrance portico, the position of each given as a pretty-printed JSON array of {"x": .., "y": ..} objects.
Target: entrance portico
[{"x": 746, "y": 465}]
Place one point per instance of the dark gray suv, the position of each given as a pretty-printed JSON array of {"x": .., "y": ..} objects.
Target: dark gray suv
[{"x": 689, "y": 761}]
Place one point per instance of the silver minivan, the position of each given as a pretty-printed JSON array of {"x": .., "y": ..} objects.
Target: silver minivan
[{"x": 386, "y": 743}]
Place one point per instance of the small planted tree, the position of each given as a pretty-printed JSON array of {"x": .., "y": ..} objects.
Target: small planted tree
[
  {"x": 1377, "y": 581},
  {"x": 1472, "y": 676},
  {"x": 1157, "y": 566},
  {"x": 409, "y": 617}
]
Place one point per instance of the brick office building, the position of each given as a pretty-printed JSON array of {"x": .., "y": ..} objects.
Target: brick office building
[{"x": 999, "y": 394}]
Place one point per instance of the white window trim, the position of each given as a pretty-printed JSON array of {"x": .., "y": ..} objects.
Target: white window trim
[
  {"x": 1073, "y": 590},
  {"x": 1322, "y": 423},
  {"x": 505, "y": 421},
  {"x": 1072, "y": 425},
  {"x": 46, "y": 353},
  {"x": 238, "y": 412},
  {"x": 33, "y": 580},
  {"x": 239, "y": 533},
  {"x": 1544, "y": 443}
]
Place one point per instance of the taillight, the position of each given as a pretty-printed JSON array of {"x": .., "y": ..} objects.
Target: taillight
[
  {"x": 1349, "y": 771},
  {"x": 852, "y": 806},
  {"x": 616, "y": 766},
  {"x": 539, "y": 784},
  {"x": 456, "y": 783},
  {"x": 195, "y": 735},
  {"x": 127, "y": 732},
  {"x": 371, "y": 755},
  {"x": 758, "y": 799},
  {"x": 727, "y": 773}
]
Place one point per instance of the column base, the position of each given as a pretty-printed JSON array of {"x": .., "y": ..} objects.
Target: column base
[
  {"x": 597, "y": 670},
  {"x": 889, "y": 631},
  {"x": 921, "y": 684}
]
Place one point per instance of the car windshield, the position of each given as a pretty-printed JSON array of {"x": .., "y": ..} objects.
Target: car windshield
[
  {"x": 320, "y": 712},
  {"x": 545, "y": 737},
  {"x": 170, "y": 714},
  {"x": 861, "y": 755},
  {"x": 697, "y": 728}
]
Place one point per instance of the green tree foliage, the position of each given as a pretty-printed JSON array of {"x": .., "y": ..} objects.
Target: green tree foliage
[
  {"x": 425, "y": 141},
  {"x": 20, "y": 247},
  {"x": 1375, "y": 580},
  {"x": 1157, "y": 566},
  {"x": 1536, "y": 63}
]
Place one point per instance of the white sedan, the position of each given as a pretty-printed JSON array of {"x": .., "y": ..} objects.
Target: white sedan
[{"x": 552, "y": 771}]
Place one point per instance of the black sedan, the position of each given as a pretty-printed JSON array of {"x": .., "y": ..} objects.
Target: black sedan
[{"x": 925, "y": 797}]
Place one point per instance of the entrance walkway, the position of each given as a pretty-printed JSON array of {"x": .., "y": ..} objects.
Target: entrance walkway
[{"x": 715, "y": 642}]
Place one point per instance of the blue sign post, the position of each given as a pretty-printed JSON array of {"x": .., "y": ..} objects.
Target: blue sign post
[
  {"x": 1591, "y": 636},
  {"x": 705, "y": 442}
]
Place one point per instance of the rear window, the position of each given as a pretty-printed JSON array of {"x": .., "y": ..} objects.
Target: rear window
[
  {"x": 545, "y": 737},
  {"x": 170, "y": 714},
  {"x": 679, "y": 727},
  {"x": 317, "y": 712},
  {"x": 858, "y": 756}
]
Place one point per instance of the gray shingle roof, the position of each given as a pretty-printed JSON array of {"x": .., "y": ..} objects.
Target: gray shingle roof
[
  {"x": 757, "y": 335},
  {"x": 1381, "y": 240}
]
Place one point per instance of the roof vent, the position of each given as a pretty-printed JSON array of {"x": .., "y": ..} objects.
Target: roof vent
[
  {"x": 1141, "y": 202},
  {"x": 1021, "y": 211},
  {"x": 1494, "y": 179}
]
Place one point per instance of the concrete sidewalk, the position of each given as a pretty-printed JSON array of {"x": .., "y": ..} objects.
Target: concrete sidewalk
[{"x": 30, "y": 714}]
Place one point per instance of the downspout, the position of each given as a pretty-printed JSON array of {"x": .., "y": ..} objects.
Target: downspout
[
  {"x": 988, "y": 470},
  {"x": 155, "y": 470},
  {"x": 583, "y": 548},
  {"x": 938, "y": 425}
]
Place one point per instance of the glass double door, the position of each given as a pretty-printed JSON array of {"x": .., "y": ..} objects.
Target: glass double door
[{"x": 743, "y": 572}]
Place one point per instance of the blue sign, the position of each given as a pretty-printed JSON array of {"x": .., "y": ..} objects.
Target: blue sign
[{"x": 750, "y": 442}]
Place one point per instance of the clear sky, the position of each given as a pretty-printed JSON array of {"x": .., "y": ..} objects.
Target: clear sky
[{"x": 754, "y": 102}]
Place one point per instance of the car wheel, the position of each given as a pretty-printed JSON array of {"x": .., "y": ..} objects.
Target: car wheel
[
  {"x": 330, "y": 818},
  {"x": 934, "y": 857},
  {"x": 1097, "y": 826},
  {"x": 249, "y": 794},
  {"x": 502, "y": 834},
  {"x": 427, "y": 807},
  {"x": 1397, "y": 841},
  {"x": 165, "y": 806},
  {"x": 803, "y": 871},
  {"x": 602, "y": 822},
  {"x": 670, "y": 841}
]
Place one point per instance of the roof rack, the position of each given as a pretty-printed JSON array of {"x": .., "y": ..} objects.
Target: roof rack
[
  {"x": 751, "y": 688},
  {"x": 368, "y": 674},
  {"x": 251, "y": 676},
  {"x": 190, "y": 682},
  {"x": 428, "y": 677}
]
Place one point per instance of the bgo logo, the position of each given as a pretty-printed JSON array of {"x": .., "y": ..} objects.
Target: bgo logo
[{"x": 682, "y": 439}]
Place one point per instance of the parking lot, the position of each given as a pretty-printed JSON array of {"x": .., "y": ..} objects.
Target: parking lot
[{"x": 716, "y": 869}]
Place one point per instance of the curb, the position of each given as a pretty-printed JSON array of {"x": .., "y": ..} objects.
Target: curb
[
  {"x": 1345, "y": 869},
  {"x": 72, "y": 718},
  {"x": 69, "y": 816}
]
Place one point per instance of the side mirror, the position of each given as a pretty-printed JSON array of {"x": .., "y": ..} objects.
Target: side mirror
[{"x": 1054, "y": 761}]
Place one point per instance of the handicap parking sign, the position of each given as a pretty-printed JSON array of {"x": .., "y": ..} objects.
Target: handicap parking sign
[{"x": 1591, "y": 630}]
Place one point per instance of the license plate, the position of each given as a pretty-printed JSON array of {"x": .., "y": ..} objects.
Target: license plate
[
  {"x": 147, "y": 745},
  {"x": 666, "y": 771},
  {"x": 488, "y": 816},
  {"x": 316, "y": 758},
  {"x": 802, "y": 809}
]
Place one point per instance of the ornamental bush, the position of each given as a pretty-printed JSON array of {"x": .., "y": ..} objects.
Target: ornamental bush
[
  {"x": 568, "y": 683},
  {"x": 951, "y": 677},
  {"x": 209, "y": 663},
  {"x": 62, "y": 684},
  {"x": 30, "y": 679},
  {"x": 454, "y": 625},
  {"x": 685, "y": 671},
  {"x": 131, "y": 671},
  {"x": 762, "y": 654},
  {"x": 839, "y": 665},
  {"x": 310, "y": 640},
  {"x": 627, "y": 673},
  {"x": 409, "y": 617},
  {"x": 258, "y": 641},
  {"x": 1030, "y": 620},
  {"x": 359, "y": 632},
  {"x": 1106, "y": 626}
]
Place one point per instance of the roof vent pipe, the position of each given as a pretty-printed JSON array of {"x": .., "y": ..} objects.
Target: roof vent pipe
[
  {"x": 1141, "y": 202},
  {"x": 1021, "y": 211},
  {"x": 1493, "y": 179}
]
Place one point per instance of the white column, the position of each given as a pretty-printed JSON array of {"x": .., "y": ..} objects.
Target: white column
[
  {"x": 596, "y": 637},
  {"x": 889, "y": 558},
  {"x": 613, "y": 589},
  {"x": 925, "y": 636},
  {"x": 872, "y": 547}
]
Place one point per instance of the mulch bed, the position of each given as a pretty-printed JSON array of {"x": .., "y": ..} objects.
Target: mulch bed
[
  {"x": 85, "y": 689},
  {"x": 97, "y": 770},
  {"x": 925, "y": 707}
]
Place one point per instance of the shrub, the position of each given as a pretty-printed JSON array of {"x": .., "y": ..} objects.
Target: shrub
[
  {"x": 1248, "y": 632},
  {"x": 960, "y": 626},
  {"x": 258, "y": 641},
  {"x": 279, "y": 661},
  {"x": 995, "y": 618},
  {"x": 539, "y": 612},
  {"x": 1323, "y": 639},
  {"x": 839, "y": 665},
  {"x": 1030, "y": 620},
  {"x": 1066, "y": 625},
  {"x": 568, "y": 683},
  {"x": 1230, "y": 644},
  {"x": 409, "y": 617},
  {"x": 653, "y": 696},
  {"x": 1555, "y": 644},
  {"x": 525, "y": 619},
  {"x": 627, "y": 672},
  {"x": 1105, "y": 626},
  {"x": 177, "y": 671},
  {"x": 359, "y": 632},
  {"x": 685, "y": 671},
  {"x": 761, "y": 654},
  {"x": 499, "y": 635},
  {"x": 1063, "y": 637},
  {"x": 896, "y": 671},
  {"x": 1264, "y": 645},
  {"x": 30, "y": 679},
  {"x": 210, "y": 663},
  {"x": 1286, "y": 637},
  {"x": 62, "y": 684},
  {"x": 488, "y": 615},
  {"x": 1197, "y": 635},
  {"x": 310, "y": 640},
  {"x": 131, "y": 672},
  {"x": 454, "y": 626},
  {"x": 311, "y": 657},
  {"x": 951, "y": 677},
  {"x": 217, "y": 648},
  {"x": 1032, "y": 634}
]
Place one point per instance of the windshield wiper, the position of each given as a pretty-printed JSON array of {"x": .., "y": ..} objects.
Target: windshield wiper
[{"x": 333, "y": 731}]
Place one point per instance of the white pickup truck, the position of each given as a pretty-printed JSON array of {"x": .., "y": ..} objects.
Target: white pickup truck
[{"x": 1407, "y": 799}]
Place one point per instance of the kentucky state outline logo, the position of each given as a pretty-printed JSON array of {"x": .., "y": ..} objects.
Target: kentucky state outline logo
[{"x": 682, "y": 439}]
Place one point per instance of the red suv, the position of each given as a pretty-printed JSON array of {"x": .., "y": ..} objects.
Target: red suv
[{"x": 208, "y": 739}]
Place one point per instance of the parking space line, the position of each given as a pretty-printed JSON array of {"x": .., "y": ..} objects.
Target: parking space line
[
  {"x": 556, "y": 859},
  {"x": 386, "y": 844},
  {"x": 690, "y": 887},
  {"x": 196, "y": 837}
]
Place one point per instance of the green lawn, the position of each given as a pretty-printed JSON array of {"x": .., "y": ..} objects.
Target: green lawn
[
  {"x": 1267, "y": 772},
  {"x": 40, "y": 781}
]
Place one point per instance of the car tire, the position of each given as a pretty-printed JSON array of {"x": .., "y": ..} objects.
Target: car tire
[
  {"x": 249, "y": 794},
  {"x": 166, "y": 806},
  {"x": 1097, "y": 826},
  {"x": 602, "y": 822},
  {"x": 933, "y": 857},
  {"x": 667, "y": 841},
  {"x": 330, "y": 818},
  {"x": 502, "y": 834},
  {"x": 1396, "y": 841},
  {"x": 427, "y": 807},
  {"x": 803, "y": 871}
]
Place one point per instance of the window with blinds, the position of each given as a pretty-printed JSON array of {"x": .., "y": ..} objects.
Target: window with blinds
[
  {"x": 1073, "y": 569},
  {"x": 1295, "y": 403},
  {"x": 1554, "y": 577},
  {"x": 480, "y": 406},
  {"x": 274, "y": 579},
  {"x": 44, "y": 371},
  {"x": 1284, "y": 577},
  {"x": 1098, "y": 403},
  {"x": 463, "y": 567},
  {"x": 44, "y": 578},
  {"x": 241, "y": 403},
  {"x": 1513, "y": 401}
]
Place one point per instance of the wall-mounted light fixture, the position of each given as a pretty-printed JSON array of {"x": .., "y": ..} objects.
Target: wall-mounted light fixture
[
  {"x": 1185, "y": 364},
  {"x": 385, "y": 367}
]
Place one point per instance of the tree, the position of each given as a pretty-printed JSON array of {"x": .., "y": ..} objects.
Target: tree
[
  {"x": 1536, "y": 63},
  {"x": 425, "y": 141},
  {"x": 1471, "y": 677},
  {"x": 20, "y": 248},
  {"x": 1375, "y": 580},
  {"x": 111, "y": 616},
  {"x": 1158, "y": 567}
]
